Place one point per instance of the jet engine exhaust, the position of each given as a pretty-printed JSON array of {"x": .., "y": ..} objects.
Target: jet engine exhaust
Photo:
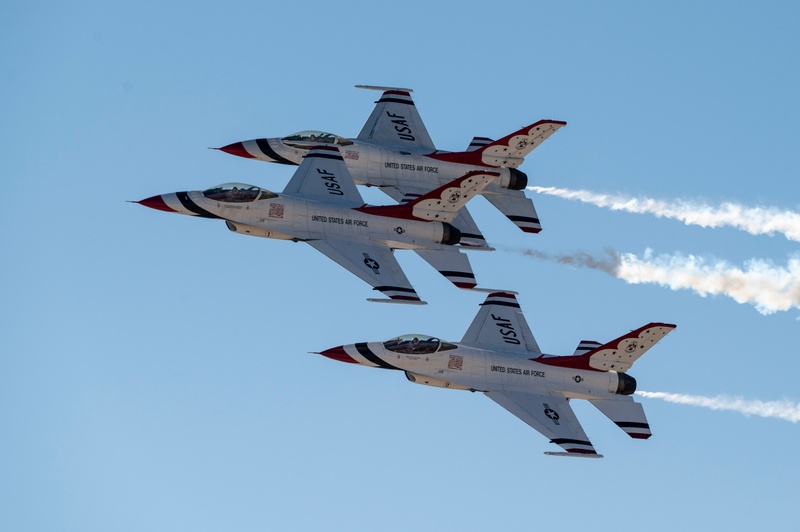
[
  {"x": 626, "y": 385},
  {"x": 451, "y": 235},
  {"x": 518, "y": 179}
]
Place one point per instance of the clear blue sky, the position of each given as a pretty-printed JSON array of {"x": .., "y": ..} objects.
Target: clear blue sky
[{"x": 154, "y": 372}]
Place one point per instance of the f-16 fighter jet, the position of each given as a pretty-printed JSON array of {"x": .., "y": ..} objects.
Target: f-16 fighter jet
[
  {"x": 499, "y": 357},
  {"x": 394, "y": 151},
  {"x": 321, "y": 205}
]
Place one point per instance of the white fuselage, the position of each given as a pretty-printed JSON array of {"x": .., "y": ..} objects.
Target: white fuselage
[
  {"x": 288, "y": 217},
  {"x": 379, "y": 166},
  {"x": 470, "y": 368}
]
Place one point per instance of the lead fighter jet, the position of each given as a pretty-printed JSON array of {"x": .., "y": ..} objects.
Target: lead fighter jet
[
  {"x": 394, "y": 151},
  {"x": 500, "y": 357},
  {"x": 321, "y": 205}
]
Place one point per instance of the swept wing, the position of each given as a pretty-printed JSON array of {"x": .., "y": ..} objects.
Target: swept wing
[
  {"x": 395, "y": 122},
  {"x": 550, "y": 414},
  {"x": 500, "y": 325},
  {"x": 373, "y": 263},
  {"x": 323, "y": 176}
]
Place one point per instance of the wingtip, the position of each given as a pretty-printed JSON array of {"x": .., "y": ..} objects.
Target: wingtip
[
  {"x": 398, "y": 301},
  {"x": 574, "y": 455}
]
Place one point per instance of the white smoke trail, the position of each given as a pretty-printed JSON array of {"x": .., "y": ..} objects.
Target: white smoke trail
[
  {"x": 783, "y": 409},
  {"x": 760, "y": 283},
  {"x": 754, "y": 220}
]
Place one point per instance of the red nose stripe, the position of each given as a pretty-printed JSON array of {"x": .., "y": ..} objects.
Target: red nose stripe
[
  {"x": 237, "y": 148},
  {"x": 338, "y": 353},
  {"x": 156, "y": 202}
]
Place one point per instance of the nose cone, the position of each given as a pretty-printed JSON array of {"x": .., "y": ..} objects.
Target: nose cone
[
  {"x": 237, "y": 148},
  {"x": 156, "y": 202},
  {"x": 338, "y": 353}
]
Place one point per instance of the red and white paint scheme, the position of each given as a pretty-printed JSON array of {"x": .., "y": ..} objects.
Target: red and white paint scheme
[
  {"x": 322, "y": 206},
  {"x": 499, "y": 356},
  {"x": 394, "y": 151}
]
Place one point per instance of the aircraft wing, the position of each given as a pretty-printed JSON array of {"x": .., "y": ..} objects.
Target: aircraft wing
[
  {"x": 500, "y": 326},
  {"x": 373, "y": 263},
  {"x": 471, "y": 236},
  {"x": 550, "y": 414},
  {"x": 395, "y": 122},
  {"x": 323, "y": 176}
]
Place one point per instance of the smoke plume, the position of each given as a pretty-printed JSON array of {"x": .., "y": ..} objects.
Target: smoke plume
[
  {"x": 783, "y": 409},
  {"x": 760, "y": 283},
  {"x": 754, "y": 220}
]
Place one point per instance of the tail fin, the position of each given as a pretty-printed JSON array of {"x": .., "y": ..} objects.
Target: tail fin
[
  {"x": 440, "y": 205},
  {"x": 618, "y": 354},
  {"x": 510, "y": 151},
  {"x": 626, "y": 414}
]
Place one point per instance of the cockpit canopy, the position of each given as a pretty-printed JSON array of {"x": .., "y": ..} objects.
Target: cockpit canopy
[
  {"x": 238, "y": 193},
  {"x": 417, "y": 344},
  {"x": 305, "y": 139}
]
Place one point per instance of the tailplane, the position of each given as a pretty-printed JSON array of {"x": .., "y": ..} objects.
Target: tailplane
[{"x": 627, "y": 414}]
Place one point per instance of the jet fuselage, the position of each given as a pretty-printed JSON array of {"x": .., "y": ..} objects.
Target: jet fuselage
[
  {"x": 257, "y": 212},
  {"x": 380, "y": 166},
  {"x": 463, "y": 367}
]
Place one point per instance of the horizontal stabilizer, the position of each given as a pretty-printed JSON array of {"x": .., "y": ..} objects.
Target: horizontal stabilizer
[
  {"x": 585, "y": 346},
  {"x": 479, "y": 142},
  {"x": 627, "y": 414},
  {"x": 516, "y": 206},
  {"x": 454, "y": 266},
  {"x": 574, "y": 455}
]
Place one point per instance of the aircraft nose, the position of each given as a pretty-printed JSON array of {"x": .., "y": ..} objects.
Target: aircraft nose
[
  {"x": 237, "y": 148},
  {"x": 156, "y": 202},
  {"x": 338, "y": 353}
]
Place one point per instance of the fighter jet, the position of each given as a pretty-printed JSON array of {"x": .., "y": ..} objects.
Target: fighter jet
[
  {"x": 322, "y": 206},
  {"x": 394, "y": 151},
  {"x": 499, "y": 356}
]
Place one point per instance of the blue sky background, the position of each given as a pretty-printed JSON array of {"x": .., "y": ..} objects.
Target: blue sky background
[{"x": 154, "y": 372}]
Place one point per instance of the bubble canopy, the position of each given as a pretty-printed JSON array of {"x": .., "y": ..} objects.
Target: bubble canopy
[
  {"x": 311, "y": 137},
  {"x": 238, "y": 193},
  {"x": 417, "y": 344}
]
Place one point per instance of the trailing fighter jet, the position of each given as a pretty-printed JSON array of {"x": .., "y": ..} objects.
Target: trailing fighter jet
[
  {"x": 500, "y": 357},
  {"x": 322, "y": 206},
  {"x": 394, "y": 151}
]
